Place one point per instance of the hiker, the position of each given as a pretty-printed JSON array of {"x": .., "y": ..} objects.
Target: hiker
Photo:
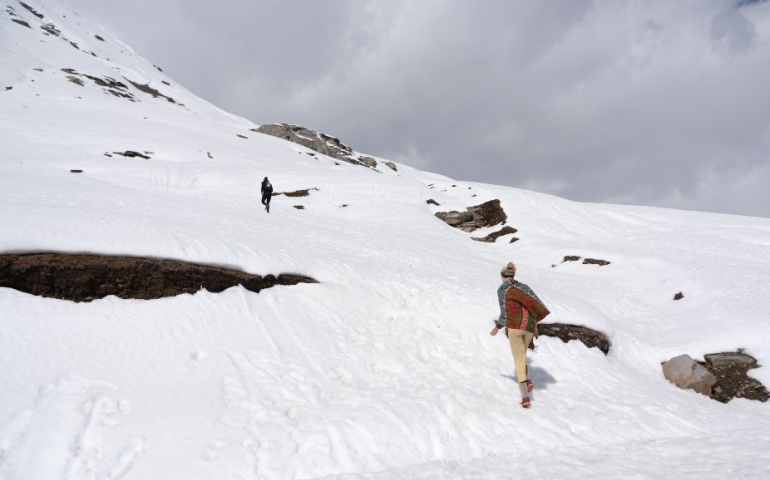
[
  {"x": 520, "y": 310},
  {"x": 267, "y": 192}
]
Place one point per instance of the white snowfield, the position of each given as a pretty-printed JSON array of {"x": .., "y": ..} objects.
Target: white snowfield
[{"x": 383, "y": 370}]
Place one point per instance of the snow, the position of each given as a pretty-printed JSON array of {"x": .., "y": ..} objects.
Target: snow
[{"x": 385, "y": 369}]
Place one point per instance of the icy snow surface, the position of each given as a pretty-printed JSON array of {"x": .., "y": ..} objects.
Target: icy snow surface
[{"x": 385, "y": 369}]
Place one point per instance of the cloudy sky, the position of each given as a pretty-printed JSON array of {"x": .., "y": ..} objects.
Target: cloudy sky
[{"x": 647, "y": 102}]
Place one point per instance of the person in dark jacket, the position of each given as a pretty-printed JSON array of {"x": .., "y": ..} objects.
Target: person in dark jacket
[
  {"x": 520, "y": 310},
  {"x": 267, "y": 193}
]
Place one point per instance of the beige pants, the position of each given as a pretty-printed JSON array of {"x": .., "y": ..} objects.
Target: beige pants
[{"x": 520, "y": 340}]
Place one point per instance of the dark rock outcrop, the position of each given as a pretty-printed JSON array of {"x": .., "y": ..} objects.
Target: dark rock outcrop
[
  {"x": 492, "y": 237},
  {"x": 595, "y": 261},
  {"x": 319, "y": 142},
  {"x": 487, "y": 214},
  {"x": 565, "y": 332},
  {"x": 297, "y": 193},
  {"x": 732, "y": 380},
  {"x": 83, "y": 278}
]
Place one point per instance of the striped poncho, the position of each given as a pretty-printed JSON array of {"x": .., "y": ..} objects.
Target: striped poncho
[{"x": 520, "y": 308}]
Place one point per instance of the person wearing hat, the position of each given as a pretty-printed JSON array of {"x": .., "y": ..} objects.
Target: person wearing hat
[{"x": 520, "y": 310}]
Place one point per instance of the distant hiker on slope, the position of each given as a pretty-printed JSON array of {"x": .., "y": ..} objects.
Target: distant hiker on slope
[
  {"x": 267, "y": 192},
  {"x": 520, "y": 310}
]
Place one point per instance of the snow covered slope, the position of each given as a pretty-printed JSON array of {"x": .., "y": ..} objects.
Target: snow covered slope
[{"x": 384, "y": 369}]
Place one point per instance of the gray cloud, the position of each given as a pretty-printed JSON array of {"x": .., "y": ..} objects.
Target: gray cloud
[{"x": 653, "y": 103}]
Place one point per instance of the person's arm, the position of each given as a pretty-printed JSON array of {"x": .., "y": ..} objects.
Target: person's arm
[{"x": 500, "y": 322}]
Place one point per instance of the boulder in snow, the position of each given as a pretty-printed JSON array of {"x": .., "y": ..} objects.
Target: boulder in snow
[{"x": 684, "y": 372}]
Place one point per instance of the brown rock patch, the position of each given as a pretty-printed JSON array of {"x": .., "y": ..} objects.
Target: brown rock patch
[
  {"x": 487, "y": 214},
  {"x": 297, "y": 193},
  {"x": 492, "y": 237},
  {"x": 590, "y": 338},
  {"x": 131, "y": 154},
  {"x": 83, "y": 278},
  {"x": 731, "y": 371},
  {"x": 594, "y": 261}
]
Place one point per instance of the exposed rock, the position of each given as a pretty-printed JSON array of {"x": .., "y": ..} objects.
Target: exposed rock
[
  {"x": 299, "y": 207},
  {"x": 430, "y": 201},
  {"x": 152, "y": 91},
  {"x": 565, "y": 332},
  {"x": 684, "y": 372},
  {"x": 241, "y": 136},
  {"x": 368, "y": 161},
  {"x": 21, "y": 22},
  {"x": 492, "y": 237},
  {"x": 51, "y": 29},
  {"x": 391, "y": 166},
  {"x": 76, "y": 171},
  {"x": 83, "y": 278},
  {"x": 32, "y": 10},
  {"x": 487, "y": 214},
  {"x": 99, "y": 38},
  {"x": 455, "y": 219},
  {"x": 731, "y": 358},
  {"x": 131, "y": 154},
  {"x": 679, "y": 296},
  {"x": 571, "y": 258},
  {"x": 319, "y": 142},
  {"x": 298, "y": 193},
  {"x": 594, "y": 261},
  {"x": 732, "y": 380},
  {"x": 110, "y": 85}
]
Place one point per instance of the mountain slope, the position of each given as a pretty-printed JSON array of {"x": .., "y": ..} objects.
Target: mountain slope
[{"x": 385, "y": 368}]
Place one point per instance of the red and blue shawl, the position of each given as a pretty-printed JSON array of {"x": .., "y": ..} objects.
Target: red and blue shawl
[{"x": 520, "y": 308}]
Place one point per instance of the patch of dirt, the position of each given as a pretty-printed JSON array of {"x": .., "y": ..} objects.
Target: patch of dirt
[
  {"x": 587, "y": 261},
  {"x": 731, "y": 371},
  {"x": 492, "y": 237},
  {"x": 131, "y": 154},
  {"x": 83, "y": 278},
  {"x": 298, "y": 193},
  {"x": 565, "y": 332},
  {"x": 594, "y": 261}
]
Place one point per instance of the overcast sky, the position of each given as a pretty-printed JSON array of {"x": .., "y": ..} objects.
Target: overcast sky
[{"x": 647, "y": 102}]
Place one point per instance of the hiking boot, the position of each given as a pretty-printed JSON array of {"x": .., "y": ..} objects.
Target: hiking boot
[{"x": 525, "y": 402}]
